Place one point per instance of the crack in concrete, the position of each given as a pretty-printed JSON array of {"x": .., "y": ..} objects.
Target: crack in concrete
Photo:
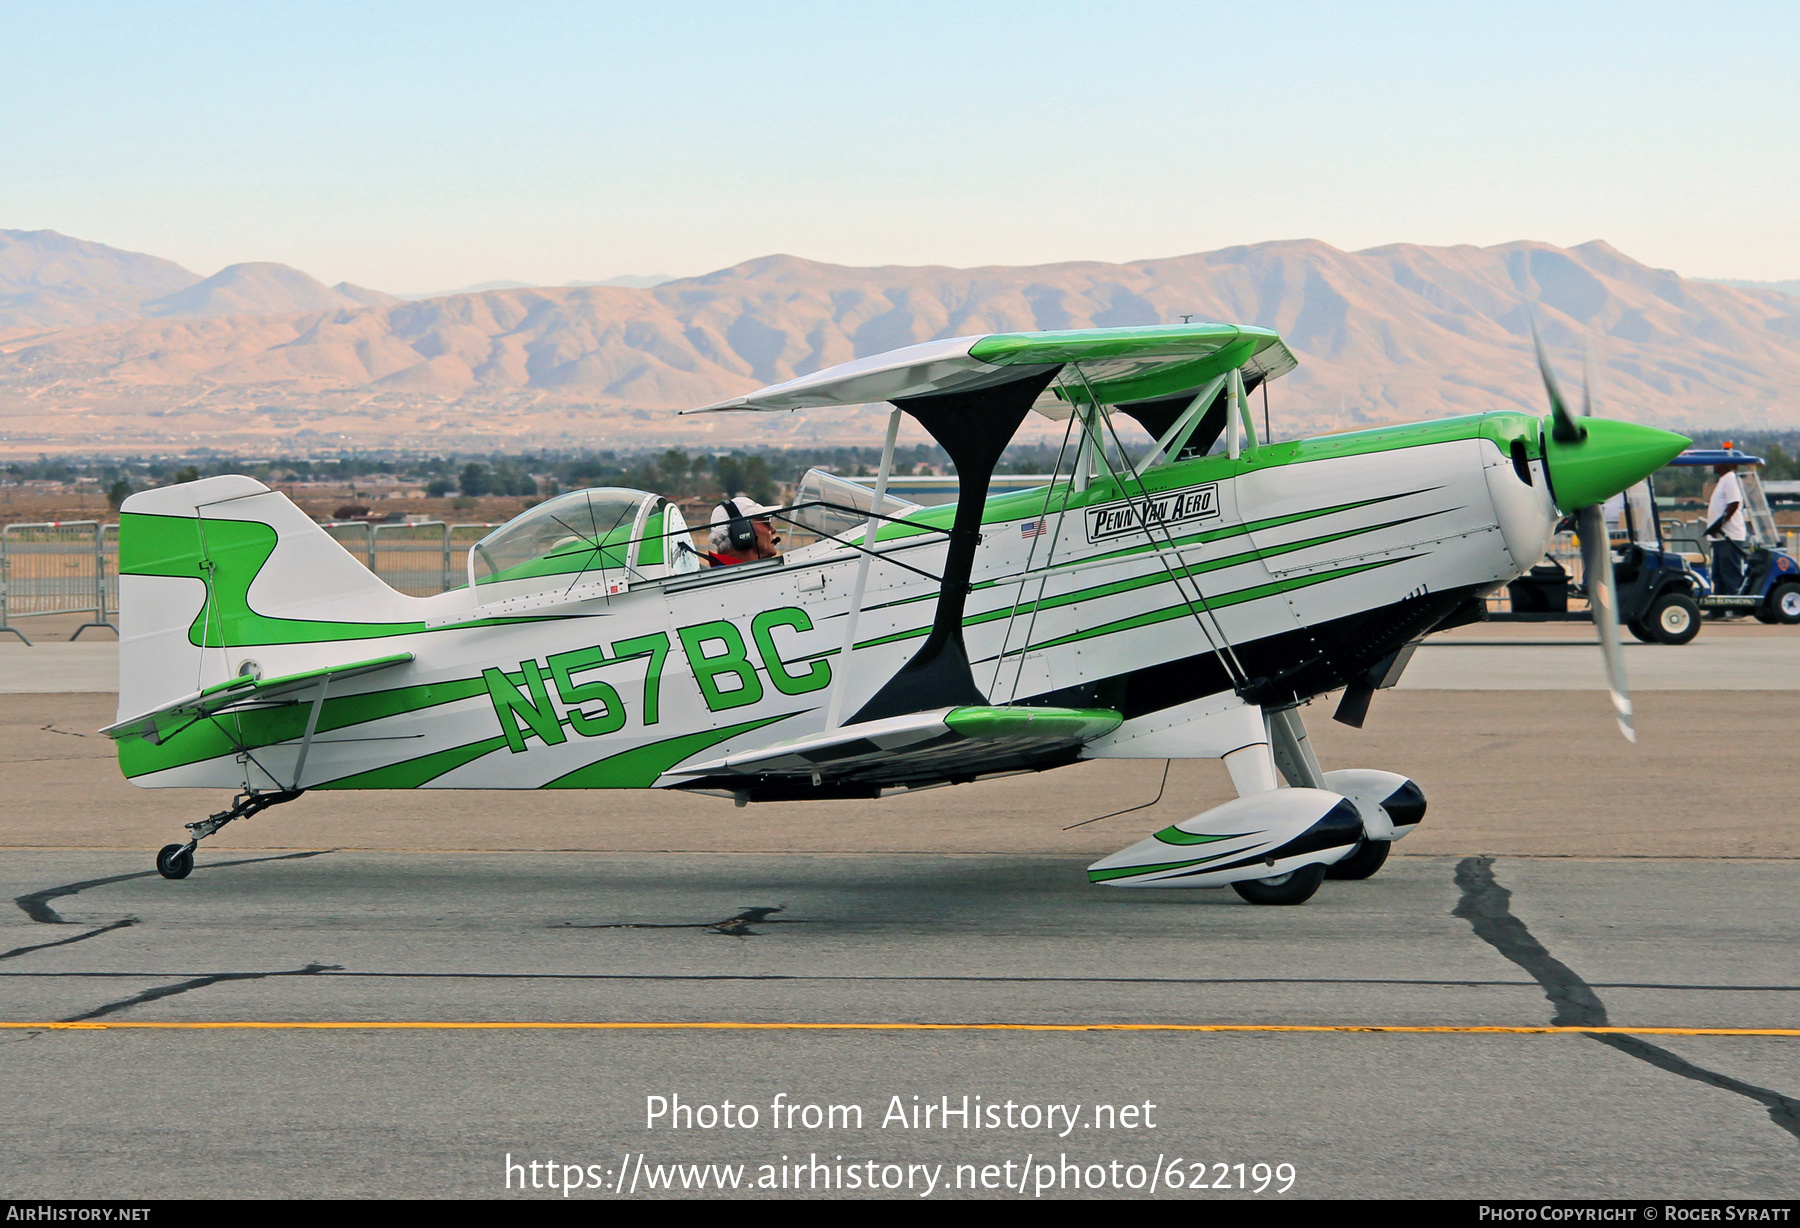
[
  {"x": 63, "y": 942},
  {"x": 731, "y": 927},
  {"x": 37, "y": 903},
  {"x": 1487, "y": 907},
  {"x": 200, "y": 982}
]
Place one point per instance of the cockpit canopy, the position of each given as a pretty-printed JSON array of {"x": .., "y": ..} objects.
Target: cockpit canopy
[
  {"x": 836, "y": 508},
  {"x": 606, "y": 535}
]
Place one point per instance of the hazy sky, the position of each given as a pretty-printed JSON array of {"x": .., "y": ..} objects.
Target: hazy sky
[{"x": 417, "y": 147}]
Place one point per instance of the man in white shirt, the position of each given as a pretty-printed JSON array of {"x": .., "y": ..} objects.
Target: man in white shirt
[{"x": 1726, "y": 527}]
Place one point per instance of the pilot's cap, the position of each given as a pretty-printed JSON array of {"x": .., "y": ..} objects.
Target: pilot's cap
[
  {"x": 720, "y": 531},
  {"x": 746, "y": 507}
]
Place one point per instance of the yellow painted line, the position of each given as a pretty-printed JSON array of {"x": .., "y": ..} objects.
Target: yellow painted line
[{"x": 429, "y": 1025}]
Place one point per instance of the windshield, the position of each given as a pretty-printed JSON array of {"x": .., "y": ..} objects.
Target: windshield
[
  {"x": 582, "y": 531},
  {"x": 1632, "y": 516},
  {"x": 1756, "y": 508},
  {"x": 850, "y": 503}
]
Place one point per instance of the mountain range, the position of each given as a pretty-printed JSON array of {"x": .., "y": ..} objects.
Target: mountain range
[
  {"x": 1789, "y": 288},
  {"x": 106, "y": 350},
  {"x": 50, "y": 281}
]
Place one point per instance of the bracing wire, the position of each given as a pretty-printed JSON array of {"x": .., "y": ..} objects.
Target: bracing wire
[
  {"x": 1228, "y": 658},
  {"x": 1050, "y": 556}
]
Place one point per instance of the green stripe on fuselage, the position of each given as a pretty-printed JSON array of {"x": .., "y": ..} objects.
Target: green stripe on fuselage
[
  {"x": 259, "y": 727},
  {"x": 1167, "y": 575},
  {"x": 412, "y": 773},
  {"x": 1192, "y": 539},
  {"x": 640, "y": 767},
  {"x": 1186, "y": 610}
]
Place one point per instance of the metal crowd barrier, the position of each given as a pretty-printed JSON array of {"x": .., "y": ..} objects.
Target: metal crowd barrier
[
  {"x": 66, "y": 567},
  {"x": 72, "y": 567},
  {"x": 420, "y": 560}
]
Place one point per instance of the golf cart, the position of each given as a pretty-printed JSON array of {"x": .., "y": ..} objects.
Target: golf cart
[
  {"x": 1771, "y": 589},
  {"x": 1657, "y": 588}
]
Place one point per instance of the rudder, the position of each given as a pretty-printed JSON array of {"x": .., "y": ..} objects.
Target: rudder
[{"x": 210, "y": 569}]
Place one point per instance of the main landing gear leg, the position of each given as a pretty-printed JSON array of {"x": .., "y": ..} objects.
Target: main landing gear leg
[
  {"x": 1300, "y": 767},
  {"x": 177, "y": 860}
]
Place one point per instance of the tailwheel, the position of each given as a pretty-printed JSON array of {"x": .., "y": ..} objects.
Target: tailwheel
[
  {"x": 1363, "y": 861},
  {"x": 1294, "y": 888},
  {"x": 175, "y": 860}
]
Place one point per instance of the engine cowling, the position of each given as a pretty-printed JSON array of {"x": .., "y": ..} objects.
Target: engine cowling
[
  {"x": 1390, "y": 805},
  {"x": 1264, "y": 835}
]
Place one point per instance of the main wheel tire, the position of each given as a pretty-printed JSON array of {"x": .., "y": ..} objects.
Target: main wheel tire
[
  {"x": 1672, "y": 618},
  {"x": 1784, "y": 603},
  {"x": 175, "y": 861},
  {"x": 1295, "y": 888},
  {"x": 1363, "y": 862},
  {"x": 1642, "y": 632}
]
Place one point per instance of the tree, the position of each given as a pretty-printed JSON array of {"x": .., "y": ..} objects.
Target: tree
[
  {"x": 759, "y": 482},
  {"x": 746, "y": 475},
  {"x": 475, "y": 480},
  {"x": 729, "y": 470},
  {"x": 673, "y": 465},
  {"x": 117, "y": 493},
  {"x": 1779, "y": 466}
]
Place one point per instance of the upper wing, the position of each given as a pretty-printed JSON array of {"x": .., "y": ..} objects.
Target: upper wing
[
  {"x": 934, "y": 747},
  {"x": 235, "y": 692},
  {"x": 1120, "y": 365}
]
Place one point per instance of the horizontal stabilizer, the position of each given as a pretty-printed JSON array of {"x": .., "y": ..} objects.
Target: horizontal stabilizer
[
  {"x": 921, "y": 747},
  {"x": 245, "y": 689}
]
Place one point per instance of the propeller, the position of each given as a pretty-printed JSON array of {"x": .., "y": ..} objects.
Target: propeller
[
  {"x": 1596, "y": 546},
  {"x": 1563, "y": 427}
]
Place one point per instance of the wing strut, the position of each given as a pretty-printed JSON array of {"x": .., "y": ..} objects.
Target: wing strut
[
  {"x": 835, "y": 712},
  {"x": 974, "y": 428},
  {"x": 312, "y": 725}
]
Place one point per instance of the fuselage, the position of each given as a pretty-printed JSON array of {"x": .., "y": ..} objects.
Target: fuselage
[{"x": 1292, "y": 570}]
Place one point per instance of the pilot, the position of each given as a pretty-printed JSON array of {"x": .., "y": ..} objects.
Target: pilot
[
  {"x": 742, "y": 533},
  {"x": 1725, "y": 526}
]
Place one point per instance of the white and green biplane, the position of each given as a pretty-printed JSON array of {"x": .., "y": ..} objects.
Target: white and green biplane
[{"x": 1173, "y": 600}]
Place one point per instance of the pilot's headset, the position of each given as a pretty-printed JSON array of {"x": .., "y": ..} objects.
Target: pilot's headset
[{"x": 742, "y": 534}]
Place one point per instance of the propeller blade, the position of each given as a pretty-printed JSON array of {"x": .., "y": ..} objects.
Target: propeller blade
[
  {"x": 1563, "y": 427},
  {"x": 1603, "y": 597},
  {"x": 1590, "y": 386}
]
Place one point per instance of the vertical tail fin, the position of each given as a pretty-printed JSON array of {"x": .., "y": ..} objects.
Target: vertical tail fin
[{"x": 211, "y": 571}]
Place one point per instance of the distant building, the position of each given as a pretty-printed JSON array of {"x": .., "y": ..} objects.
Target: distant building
[{"x": 931, "y": 490}]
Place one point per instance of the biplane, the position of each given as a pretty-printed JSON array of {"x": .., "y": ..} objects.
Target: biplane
[{"x": 1179, "y": 589}]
